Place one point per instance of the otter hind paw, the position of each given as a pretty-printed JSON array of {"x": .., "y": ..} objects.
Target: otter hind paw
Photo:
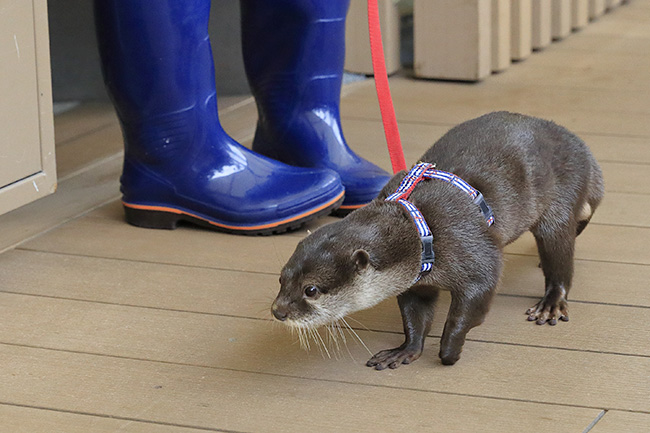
[
  {"x": 393, "y": 358},
  {"x": 547, "y": 311}
]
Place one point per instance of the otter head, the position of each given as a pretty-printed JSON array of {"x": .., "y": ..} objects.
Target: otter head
[{"x": 345, "y": 267}]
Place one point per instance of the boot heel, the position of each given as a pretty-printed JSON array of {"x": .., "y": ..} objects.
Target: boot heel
[{"x": 151, "y": 219}]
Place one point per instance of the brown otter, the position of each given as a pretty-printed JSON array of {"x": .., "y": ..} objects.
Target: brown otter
[{"x": 534, "y": 174}]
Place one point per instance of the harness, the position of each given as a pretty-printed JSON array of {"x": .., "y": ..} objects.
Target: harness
[{"x": 418, "y": 173}]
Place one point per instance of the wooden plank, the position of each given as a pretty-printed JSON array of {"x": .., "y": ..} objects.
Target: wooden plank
[
  {"x": 189, "y": 246},
  {"x": 628, "y": 178},
  {"x": 199, "y": 247},
  {"x": 449, "y": 103},
  {"x": 588, "y": 330},
  {"x": 521, "y": 29},
  {"x": 452, "y": 40},
  {"x": 99, "y": 327},
  {"x": 367, "y": 137},
  {"x": 73, "y": 197},
  {"x": 596, "y": 8},
  {"x": 240, "y": 120},
  {"x": 561, "y": 19},
  {"x": 243, "y": 345},
  {"x": 81, "y": 120},
  {"x": 541, "y": 24},
  {"x": 579, "y": 13},
  {"x": 357, "y": 43},
  {"x": 631, "y": 22},
  {"x": 213, "y": 398},
  {"x": 119, "y": 281},
  {"x": 611, "y": 4},
  {"x": 78, "y": 153},
  {"x": 623, "y": 209},
  {"x": 603, "y": 243},
  {"x": 605, "y": 44},
  {"x": 593, "y": 281},
  {"x": 616, "y": 421},
  {"x": 16, "y": 419},
  {"x": 611, "y": 283},
  {"x": 585, "y": 69},
  {"x": 500, "y": 35}
]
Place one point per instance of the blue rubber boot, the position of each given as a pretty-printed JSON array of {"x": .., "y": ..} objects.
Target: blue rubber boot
[
  {"x": 179, "y": 164},
  {"x": 293, "y": 53}
]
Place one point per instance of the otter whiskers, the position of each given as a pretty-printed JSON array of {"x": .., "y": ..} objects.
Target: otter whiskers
[
  {"x": 335, "y": 340},
  {"x": 353, "y": 332}
]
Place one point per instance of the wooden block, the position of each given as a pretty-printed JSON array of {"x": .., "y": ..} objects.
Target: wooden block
[
  {"x": 579, "y": 13},
  {"x": 452, "y": 39},
  {"x": 541, "y": 24},
  {"x": 500, "y": 35},
  {"x": 560, "y": 18},
  {"x": 357, "y": 43},
  {"x": 521, "y": 29},
  {"x": 596, "y": 8}
]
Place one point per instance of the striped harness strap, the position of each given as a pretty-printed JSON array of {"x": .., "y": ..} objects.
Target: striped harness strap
[{"x": 418, "y": 173}]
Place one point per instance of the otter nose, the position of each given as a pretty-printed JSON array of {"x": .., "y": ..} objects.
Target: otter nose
[{"x": 279, "y": 312}]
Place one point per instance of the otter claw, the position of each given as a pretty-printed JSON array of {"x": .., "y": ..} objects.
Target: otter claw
[
  {"x": 393, "y": 358},
  {"x": 546, "y": 311}
]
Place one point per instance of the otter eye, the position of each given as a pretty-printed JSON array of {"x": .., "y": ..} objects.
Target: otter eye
[{"x": 311, "y": 291}]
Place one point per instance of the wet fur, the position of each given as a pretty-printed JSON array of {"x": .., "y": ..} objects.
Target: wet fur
[{"x": 534, "y": 174}]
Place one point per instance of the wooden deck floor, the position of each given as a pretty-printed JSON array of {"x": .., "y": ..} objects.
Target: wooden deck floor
[{"x": 107, "y": 327}]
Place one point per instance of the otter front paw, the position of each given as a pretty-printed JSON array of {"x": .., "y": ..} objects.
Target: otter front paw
[
  {"x": 393, "y": 358},
  {"x": 551, "y": 308}
]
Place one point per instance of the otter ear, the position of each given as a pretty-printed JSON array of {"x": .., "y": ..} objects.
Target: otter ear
[{"x": 361, "y": 259}]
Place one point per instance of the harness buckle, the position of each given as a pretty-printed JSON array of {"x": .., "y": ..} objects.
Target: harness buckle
[
  {"x": 485, "y": 208},
  {"x": 428, "y": 255}
]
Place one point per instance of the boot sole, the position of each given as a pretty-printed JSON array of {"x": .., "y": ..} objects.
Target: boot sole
[
  {"x": 168, "y": 218},
  {"x": 345, "y": 210}
]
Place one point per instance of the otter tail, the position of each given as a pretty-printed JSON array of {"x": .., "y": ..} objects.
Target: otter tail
[{"x": 595, "y": 193}]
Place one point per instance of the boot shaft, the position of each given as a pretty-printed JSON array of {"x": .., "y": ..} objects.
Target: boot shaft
[
  {"x": 294, "y": 50},
  {"x": 156, "y": 56}
]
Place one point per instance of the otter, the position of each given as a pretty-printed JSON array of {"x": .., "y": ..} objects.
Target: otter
[{"x": 533, "y": 173}]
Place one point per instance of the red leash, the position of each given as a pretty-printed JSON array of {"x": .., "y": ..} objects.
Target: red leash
[{"x": 383, "y": 90}]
